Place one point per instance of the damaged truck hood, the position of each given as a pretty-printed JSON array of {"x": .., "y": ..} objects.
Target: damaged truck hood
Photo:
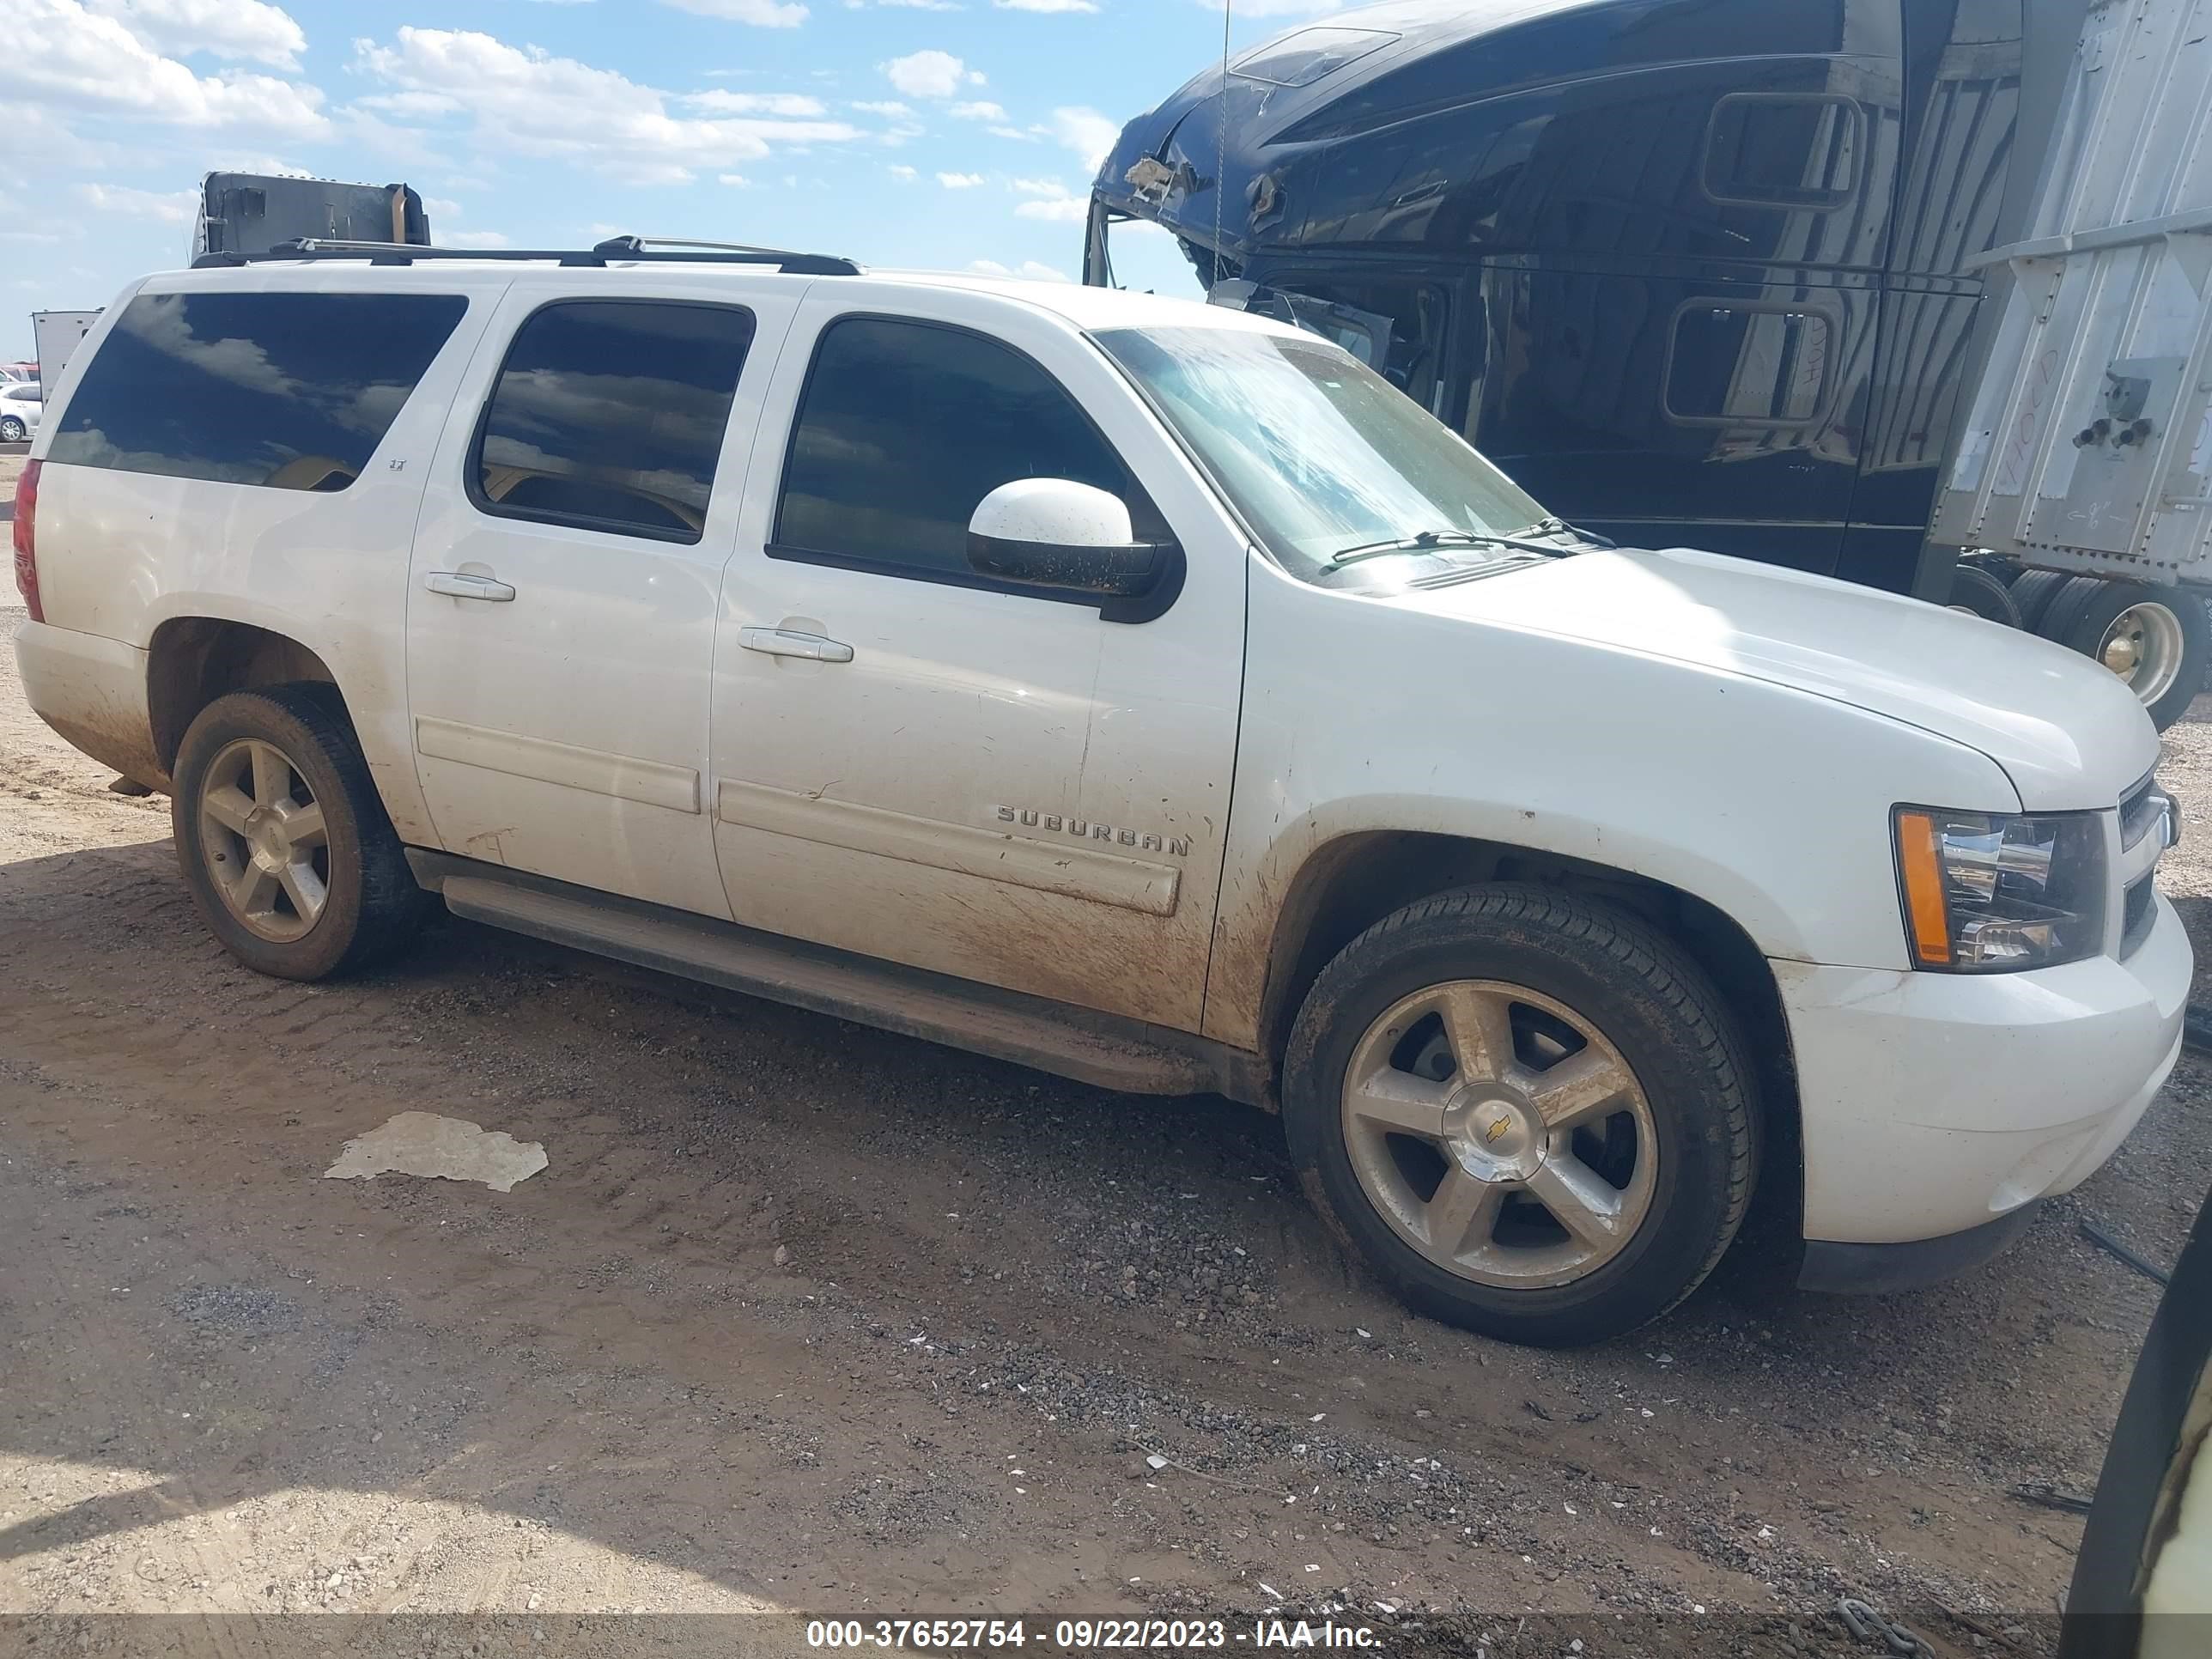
[{"x": 2068, "y": 733}]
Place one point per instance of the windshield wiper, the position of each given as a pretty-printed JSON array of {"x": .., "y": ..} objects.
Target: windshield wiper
[
  {"x": 1559, "y": 526},
  {"x": 1429, "y": 540}
]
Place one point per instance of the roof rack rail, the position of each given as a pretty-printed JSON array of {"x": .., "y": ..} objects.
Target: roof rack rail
[{"x": 630, "y": 250}]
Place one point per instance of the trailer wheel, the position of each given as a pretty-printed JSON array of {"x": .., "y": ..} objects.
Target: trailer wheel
[
  {"x": 1979, "y": 593},
  {"x": 2156, "y": 638},
  {"x": 2032, "y": 594}
]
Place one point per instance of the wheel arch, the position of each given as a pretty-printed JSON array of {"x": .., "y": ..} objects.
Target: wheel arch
[
  {"x": 192, "y": 660},
  {"x": 1348, "y": 883}
]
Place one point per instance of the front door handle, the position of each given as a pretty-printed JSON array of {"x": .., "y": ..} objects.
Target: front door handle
[
  {"x": 459, "y": 584},
  {"x": 785, "y": 642}
]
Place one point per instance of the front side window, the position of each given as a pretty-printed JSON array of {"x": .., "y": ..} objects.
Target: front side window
[
  {"x": 1321, "y": 455},
  {"x": 609, "y": 414},
  {"x": 287, "y": 391},
  {"x": 905, "y": 426}
]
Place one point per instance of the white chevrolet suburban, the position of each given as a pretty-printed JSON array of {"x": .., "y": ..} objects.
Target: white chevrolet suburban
[{"x": 1136, "y": 689}]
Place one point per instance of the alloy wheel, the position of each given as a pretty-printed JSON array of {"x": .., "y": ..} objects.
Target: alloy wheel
[
  {"x": 263, "y": 836},
  {"x": 1499, "y": 1134}
]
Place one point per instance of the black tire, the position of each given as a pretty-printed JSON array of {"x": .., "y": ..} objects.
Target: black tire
[
  {"x": 1996, "y": 564},
  {"x": 2074, "y": 596},
  {"x": 373, "y": 906},
  {"x": 1653, "y": 1006},
  {"x": 13, "y": 431},
  {"x": 2033, "y": 593},
  {"x": 2106, "y": 602},
  {"x": 1980, "y": 591}
]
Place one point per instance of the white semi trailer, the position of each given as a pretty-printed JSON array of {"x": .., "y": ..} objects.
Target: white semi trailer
[
  {"x": 2082, "y": 476},
  {"x": 54, "y": 334}
]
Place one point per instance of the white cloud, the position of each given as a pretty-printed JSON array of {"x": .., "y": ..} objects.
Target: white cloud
[
  {"x": 171, "y": 207},
  {"x": 525, "y": 101},
  {"x": 904, "y": 175},
  {"x": 1035, "y": 270},
  {"x": 61, "y": 54},
  {"x": 472, "y": 239},
  {"x": 960, "y": 180},
  {"x": 715, "y": 101},
  {"x": 358, "y": 130},
  {"x": 907, "y": 5},
  {"x": 410, "y": 105},
  {"x": 761, "y": 14},
  {"x": 1048, "y": 5},
  {"x": 221, "y": 28},
  {"x": 1014, "y": 133},
  {"x": 979, "y": 111},
  {"x": 735, "y": 181},
  {"x": 890, "y": 109},
  {"x": 1086, "y": 132},
  {"x": 440, "y": 207},
  {"x": 1056, "y": 209},
  {"x": 931, "y": 73},
  {"x": 1050, "y": 201},
  {"x": 263, "y": 164},
  {"x": 1280, "y": 8}
]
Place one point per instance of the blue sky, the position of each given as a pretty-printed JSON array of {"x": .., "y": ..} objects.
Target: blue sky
[{"x": 939, "y": 133}]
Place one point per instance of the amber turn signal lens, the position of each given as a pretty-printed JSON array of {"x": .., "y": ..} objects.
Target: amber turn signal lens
[{"x": 1923, "y": 869}]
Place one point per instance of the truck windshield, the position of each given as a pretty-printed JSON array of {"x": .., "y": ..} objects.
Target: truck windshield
[{"x": 1321, "y": 456}]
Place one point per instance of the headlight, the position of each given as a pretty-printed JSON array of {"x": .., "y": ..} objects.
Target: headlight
[{"x": 1986, "y": 892}]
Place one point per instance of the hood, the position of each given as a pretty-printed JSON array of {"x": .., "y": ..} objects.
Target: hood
[{"x": 2068, "y": 734}]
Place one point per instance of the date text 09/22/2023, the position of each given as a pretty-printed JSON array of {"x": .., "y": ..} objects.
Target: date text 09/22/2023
[{"x": 1087, "y": 1634}]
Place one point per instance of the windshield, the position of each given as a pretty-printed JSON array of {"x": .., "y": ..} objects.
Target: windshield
[{"x": 1321, "y": 455}]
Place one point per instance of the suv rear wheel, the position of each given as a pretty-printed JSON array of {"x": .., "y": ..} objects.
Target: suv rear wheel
[
  {"x": 1528, "y": 1111},
  {"x": 281, "y": 838}
]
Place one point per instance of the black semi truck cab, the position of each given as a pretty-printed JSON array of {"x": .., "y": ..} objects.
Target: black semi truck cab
[{"x": 1690, "y": 270}]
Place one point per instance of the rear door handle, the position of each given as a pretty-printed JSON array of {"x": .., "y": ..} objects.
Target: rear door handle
[
  {"x": 459, "y": 584},
  {"x": 784, "y": 642}
]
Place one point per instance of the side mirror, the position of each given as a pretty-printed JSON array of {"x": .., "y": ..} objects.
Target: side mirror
[{"x": 1072, "y": 541}]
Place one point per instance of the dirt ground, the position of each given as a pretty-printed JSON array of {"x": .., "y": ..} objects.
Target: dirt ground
[{"x": 804, "y": 1317}]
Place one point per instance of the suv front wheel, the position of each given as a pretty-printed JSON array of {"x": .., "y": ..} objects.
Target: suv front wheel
[
  {"x": 1529, "y": 1112},
  {"x": 282, "y": 839}
]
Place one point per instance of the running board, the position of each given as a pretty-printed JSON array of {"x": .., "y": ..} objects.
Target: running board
[{"x": 1099, "y": 1049}]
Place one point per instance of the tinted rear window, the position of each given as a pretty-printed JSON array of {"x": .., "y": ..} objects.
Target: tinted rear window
[
  {"x": 290, "y": 390},
  {"x": 608, "y": 415}
]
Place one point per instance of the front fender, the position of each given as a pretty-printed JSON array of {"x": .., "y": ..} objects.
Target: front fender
[{"x": 1769, "y": 803}]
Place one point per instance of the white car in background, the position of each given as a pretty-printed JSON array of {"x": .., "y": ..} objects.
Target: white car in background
[{"x": 21, "y": 405}]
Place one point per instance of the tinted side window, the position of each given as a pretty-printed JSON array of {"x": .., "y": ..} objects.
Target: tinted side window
[
  {"x": 904, "y": 428},
  {"x": 291, "y": 391},
  {"x": 608, "y": 415}
]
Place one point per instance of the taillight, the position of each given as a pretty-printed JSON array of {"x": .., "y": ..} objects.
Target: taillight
[{"x": 27, "y": 539}]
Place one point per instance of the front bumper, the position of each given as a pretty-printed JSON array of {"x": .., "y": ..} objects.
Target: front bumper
[{"x": 1937, "y": 1104}]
